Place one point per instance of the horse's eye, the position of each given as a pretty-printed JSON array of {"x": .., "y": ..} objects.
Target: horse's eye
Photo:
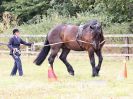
[{"x": 91, "y": 27}]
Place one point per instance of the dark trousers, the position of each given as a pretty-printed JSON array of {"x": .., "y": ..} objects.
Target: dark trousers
[{"x": 17, "y": 66}]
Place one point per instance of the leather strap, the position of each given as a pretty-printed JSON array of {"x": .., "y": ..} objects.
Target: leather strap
[{"x": 79, "y": 36}]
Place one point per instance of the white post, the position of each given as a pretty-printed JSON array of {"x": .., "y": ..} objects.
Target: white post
[{"x": 27, "y": 48}]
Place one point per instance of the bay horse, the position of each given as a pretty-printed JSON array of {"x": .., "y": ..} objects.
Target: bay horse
[{"x": 88, "y": 37}]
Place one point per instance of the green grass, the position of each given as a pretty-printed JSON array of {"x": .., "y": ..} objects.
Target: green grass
[{"x": 34, "y": 84}]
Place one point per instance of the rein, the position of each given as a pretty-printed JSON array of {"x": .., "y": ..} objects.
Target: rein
[
  {"x": 73, "y": 41},
  {"x": 64, "y": 42},
  {"x": 3, "y": 44}
]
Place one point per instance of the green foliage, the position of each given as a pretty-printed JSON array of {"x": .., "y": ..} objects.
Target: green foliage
[
  {"x": 43, "y": 26},
  {"x": 131, "y": 27},
  {"x": 118, "y": 10},
  {"x": 39, "y": 16},
  {"x": 85, "y": 5},
  {"x": 64, "y": 7},
  {"x": 1, "y": 28},
  {"x": 26, "y": 10},
  {"x": 117, "y": 28}
]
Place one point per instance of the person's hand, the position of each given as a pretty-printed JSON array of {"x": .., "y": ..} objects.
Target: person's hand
[
  {"x": 32, "y": 44},
  {"x": 32, "y": 47},
  {"x": 14, "y": 49}
]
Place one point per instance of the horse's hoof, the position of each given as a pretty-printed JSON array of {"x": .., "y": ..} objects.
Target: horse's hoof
[
  {"x": 97, "y": 70},
  {"x": 95, "y": 75},
  {"x": 71, "y": 73}
]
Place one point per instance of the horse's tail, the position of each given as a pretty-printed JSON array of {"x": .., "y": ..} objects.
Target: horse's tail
[{"x": 43, "y": 54}]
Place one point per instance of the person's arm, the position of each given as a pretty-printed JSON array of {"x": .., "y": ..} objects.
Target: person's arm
[
  {"x": 10, "y": 44},
  {"x": 25, "y": 43}
]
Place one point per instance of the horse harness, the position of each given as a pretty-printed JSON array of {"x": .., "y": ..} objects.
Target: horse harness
[{"x": 79, "y": 36}]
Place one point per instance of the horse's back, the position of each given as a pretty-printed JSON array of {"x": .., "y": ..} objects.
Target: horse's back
[
  {"x": 63, "y": 32},
  {"x": 69, "y": 37},
  {"x": 54, "y": 34},
  {"x": 66, "y": 34},
  {"x": 69, "y": 32}
]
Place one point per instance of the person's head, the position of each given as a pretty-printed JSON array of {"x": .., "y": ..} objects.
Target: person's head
[{"x": 16, "y": 32}]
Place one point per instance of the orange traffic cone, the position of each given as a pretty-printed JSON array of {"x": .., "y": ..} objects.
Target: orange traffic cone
[
  {"x": 125, "y": 70},
  {"x": 123, "y": 73},
  {"x": 51, "y": 74}
]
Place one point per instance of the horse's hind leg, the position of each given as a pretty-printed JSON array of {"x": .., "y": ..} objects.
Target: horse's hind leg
[
  {"x": 54, "y": 51},
  {"x": 63, "y": 57}
]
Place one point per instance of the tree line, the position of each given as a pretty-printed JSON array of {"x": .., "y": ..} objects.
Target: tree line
[{"x": 28, "y": 11}]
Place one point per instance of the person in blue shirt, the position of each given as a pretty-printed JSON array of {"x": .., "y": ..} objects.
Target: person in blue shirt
[{"x": 14, "y": 46}]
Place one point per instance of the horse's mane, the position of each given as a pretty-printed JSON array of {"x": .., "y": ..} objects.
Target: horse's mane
[{"x": 91, "y": 23}]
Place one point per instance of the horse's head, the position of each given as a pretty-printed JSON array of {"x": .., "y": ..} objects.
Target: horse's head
[{"x": 95, "y": 28}]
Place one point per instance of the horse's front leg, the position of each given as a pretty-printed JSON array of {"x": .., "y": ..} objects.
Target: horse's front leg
[
  {"x": 100, "y": 59},
  {"x": 92, "y": 61}
]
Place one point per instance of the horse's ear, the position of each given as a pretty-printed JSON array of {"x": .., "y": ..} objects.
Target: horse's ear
[{"x": 85, "y": 26}]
